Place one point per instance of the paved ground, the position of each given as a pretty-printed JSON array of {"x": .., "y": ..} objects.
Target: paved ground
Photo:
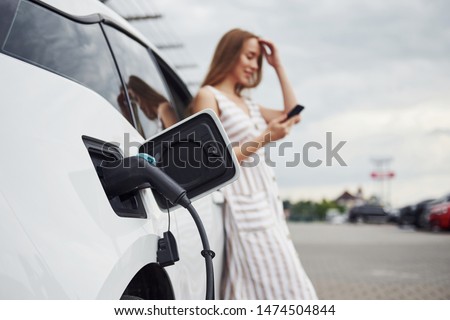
[{"x": 374, "y": 261}]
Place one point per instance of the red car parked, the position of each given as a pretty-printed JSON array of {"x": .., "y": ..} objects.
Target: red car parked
[{"x": 439, "y": 214}]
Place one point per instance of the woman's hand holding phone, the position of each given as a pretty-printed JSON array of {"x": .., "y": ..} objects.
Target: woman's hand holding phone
[
  {"x": 280, "y": 127},
  {"x": 294, "y": 111}
]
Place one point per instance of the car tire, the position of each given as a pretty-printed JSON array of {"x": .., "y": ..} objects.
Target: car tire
[{"x": 434, "y": 227}]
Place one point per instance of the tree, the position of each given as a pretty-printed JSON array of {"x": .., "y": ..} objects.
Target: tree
[{"x": 312, "y": 211}]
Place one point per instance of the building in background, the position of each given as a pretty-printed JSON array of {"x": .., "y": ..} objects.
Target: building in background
[{"x": 348, "y": 200}]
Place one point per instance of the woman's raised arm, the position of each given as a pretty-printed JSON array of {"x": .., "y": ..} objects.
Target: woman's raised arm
[{"x": 272, "y": 56}]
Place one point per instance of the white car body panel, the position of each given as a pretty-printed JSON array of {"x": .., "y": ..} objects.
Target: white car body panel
[{"x": 59, "y": 237}]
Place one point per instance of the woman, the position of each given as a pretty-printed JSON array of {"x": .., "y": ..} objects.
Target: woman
[{"x": 261, "y": 261}]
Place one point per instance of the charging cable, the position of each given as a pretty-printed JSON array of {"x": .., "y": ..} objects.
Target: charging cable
[{"x": 129, "y": 174}]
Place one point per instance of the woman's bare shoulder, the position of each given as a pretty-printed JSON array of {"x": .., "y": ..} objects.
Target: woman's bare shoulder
[
  {"x": 205, "y": 93},
  {"x": 205, "y": 99}
]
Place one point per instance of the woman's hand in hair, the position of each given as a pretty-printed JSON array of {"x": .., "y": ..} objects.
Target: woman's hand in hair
[
  {"x": 273, "y": 58},
  {"x": 271, "y": 53}
]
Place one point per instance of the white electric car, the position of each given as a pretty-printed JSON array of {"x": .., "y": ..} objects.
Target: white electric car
[{"x": 64, "y": 71}]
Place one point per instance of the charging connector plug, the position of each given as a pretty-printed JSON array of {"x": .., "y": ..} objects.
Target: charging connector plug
[
  {"x": 167, "y": 253},
  {"x": 133, "y": 173}
]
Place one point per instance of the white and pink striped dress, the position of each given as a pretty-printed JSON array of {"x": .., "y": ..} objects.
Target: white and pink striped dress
[{"x": 260, "y": 259}]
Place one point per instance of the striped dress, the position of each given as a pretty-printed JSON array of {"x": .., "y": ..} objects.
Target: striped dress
[{"x": 260, "y": 258}]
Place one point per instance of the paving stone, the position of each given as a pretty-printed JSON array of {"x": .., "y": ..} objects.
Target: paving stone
[{"x": 366, "y": 261}]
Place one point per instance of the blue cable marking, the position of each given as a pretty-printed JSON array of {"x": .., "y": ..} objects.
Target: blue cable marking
[{"x": 148, "y": 158}]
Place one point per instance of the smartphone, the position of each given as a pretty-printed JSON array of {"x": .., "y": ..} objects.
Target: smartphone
[{"x": 295, "y": 111}]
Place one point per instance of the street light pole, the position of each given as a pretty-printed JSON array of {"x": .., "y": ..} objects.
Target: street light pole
[{"x": 381, "y": 174}]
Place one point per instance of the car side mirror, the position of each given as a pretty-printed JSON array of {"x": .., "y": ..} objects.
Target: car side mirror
[{"x": 196, "y": 153}]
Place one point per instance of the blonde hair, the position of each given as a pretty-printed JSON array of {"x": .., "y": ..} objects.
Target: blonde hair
[{"x": 226, "y": 56}]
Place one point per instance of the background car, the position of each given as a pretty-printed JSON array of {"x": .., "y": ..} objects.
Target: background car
[
  {"x": 368, "y": 213},
  {"x": 439, "y": 214},
  {"x": 414, "y": 215},
  {"x": 406, "y": 216}
]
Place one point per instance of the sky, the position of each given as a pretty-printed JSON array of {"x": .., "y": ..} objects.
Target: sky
[{"x": 376, "y": 74}]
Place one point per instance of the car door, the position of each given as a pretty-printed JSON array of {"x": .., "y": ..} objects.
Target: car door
[{"x": 60, "y": 86}]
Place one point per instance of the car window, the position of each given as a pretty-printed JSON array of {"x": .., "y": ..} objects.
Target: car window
[
  {"x": 178, "y": 90},
  {"x": 7, "y": 11},
  {"x": 74, "y": 50},
  {"x": 151, "y": 102}
]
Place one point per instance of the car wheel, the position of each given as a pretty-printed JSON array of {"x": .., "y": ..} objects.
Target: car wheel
[{"x": 435, "y": 227}]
